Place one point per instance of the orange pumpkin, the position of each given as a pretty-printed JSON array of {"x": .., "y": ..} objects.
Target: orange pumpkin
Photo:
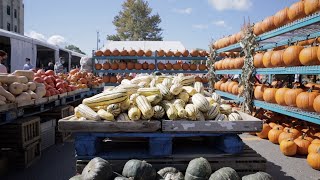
[
  {"x": 98, "y": 53},
  {"x": 177, "y": 53},
  {"x": 267, "y": 24},
  {"x": 185, "y": 53},
  {"x": 114, "y": 66},
  {"x": 230, "y": 86},
  {"x": 161, "y": 66},
  {"x": 288, "y": 147},
  {"x": 140, "y": 52},
  {"x": 290, "y": 96},
  {"x": 106, "y": 66},
  {"x": 302, "y": 145},
  {"x": 130, "y": 65},
  {"x": 259, "y": 91},
  {"x": 204, "y": 79},
  {"x": 202, "y": 67},
  {"x": 168, "y": 66},
  {"x": 287, "y": 134},
  {"x": 193, "y": 67},
  {"x": 269, "y": 95},
  {"x": 176, "y": 66},
  {"x": 169, "y": 53},
  {"x": 274, "y": 134},
  {"x": 107, "y": 52},
  {"x": 316, "y": 104},
  {"x": 197, "y": 79},
  {"x": 160, "y": 53},
  {"x": 308, "y": 56},
  {"x": 296, "y": 11},
  {"x": 113, "y": 79},
  {"x": 138, "y": 66},
  {"x": 266, "y": 60},
  {"x": 145, "y": 65},
  {"x": 291, "y": 56},
  {"x": 264, "y": 132},
  {"x": 315, "y": 144},
  {"x": 115, "y": 52},
  {"x": 313, "y": 159},
  {"x": 279, "y": 96},
  {"x": 106, "y": 79},
  {"x": 185, "y": 66},
  {"x": 233, "y": 39},
  {"x": 122, "y": 66},
  {"x": 311, "y": 6},
  {"x": 257, "y": 30},
  {"x": 194, "y": 53},
  {"x": 281, "y": 17},
  {"x": 277, "y": 58},
  {"x": 239, "y": 36},
  {"x": 305, "y": 100},
  {"x": 132, "y": 52},
  {"x": 148, "y": 53},
  {"x": 124, "y": 53},
  {"x": 151, "y": 66},
  {"x": 258, "y": 60},
  {"x": 98, "y": 66},
  {"x": 217, "y": 85},
  {"x": 235, "y": 89}
]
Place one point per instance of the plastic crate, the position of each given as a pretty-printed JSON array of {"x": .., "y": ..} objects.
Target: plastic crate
[{"x": 48, "y": 133}]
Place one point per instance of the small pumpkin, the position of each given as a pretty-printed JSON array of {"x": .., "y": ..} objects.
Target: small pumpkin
[
  {"x": 98, "y": 169},
  {"x": 308, "y": 56},
  {"x": 160, "y": 53},
  {"x": 145, "y": 65},
  {"x": 176, "y": 66},
  {"x": 313, "y": 159},
  {"x": 140, "y": 52},
  {"x": 287, "y": 134},
  {"x": 132, "y": 52},
  {"x": 302, "y": 145},
  {"x": 269, "y": 95},
  {"x": 130, "y": 65},
  {"x": 259, "y": 91},
  {"x": 98, "y": 66},
  {"x": 291, "y": 56},
  {"x": 122, "y": 66},
  {"x": 151, "y": 66},
  {"x": 185, "y": 66},
  {"x": 202, "y": 67},
  {"x": 148, "y": 53},
  {"x": 199, "y": 169},
  {"x": 225, "y": 173},
  {"x": 114, "y": 66},
  {"x": 115, "y": 52},
  {"x": 106, "y": 79},
  {"x": 168, "y": 66},
  {"x": 185, "y": 53},
  {"x": 264, "y": 132},
  {"x": 98, "y": 53},
  {"x": 277, "y": 59},
  {"x": 107, "y": 52},
  {"x": 274, "y": 134},
  {"x": 124, "y": 52},
  {"x": 169, "y": 53},
  {"x": 194, "y": 53},
  {"x": 161, "y": 66},
  {"x": 106, "y": 66},
  {"x": 288, "y": 147},
  {"x": 177, "y": 53},
  {"x": 305, "y": 100},
  {"x": 193, "y": 67},
  {"x": 138, "y": 66}
]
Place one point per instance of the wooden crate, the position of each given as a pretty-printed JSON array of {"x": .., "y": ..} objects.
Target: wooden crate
[
  {"x": 20, "y": 133},
  {"x": 48, "y": 128},
  {"x": 245, "y": 163}
]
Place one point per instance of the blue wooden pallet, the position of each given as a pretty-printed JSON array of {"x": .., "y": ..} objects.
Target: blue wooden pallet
[{"x": 88, "y": 145}]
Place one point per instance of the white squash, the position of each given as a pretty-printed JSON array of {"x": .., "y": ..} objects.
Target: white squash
[
  {"x": 32, "y": 86},
  {"x": 16, "y": 88}
]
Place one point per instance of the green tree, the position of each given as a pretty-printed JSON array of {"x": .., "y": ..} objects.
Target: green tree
[
  {"x": 75, "y": 49},
  {"x": 135, "y": 23}
]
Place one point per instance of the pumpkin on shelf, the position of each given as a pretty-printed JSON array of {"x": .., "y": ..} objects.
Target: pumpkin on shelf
[
  {"x": 269, "y": 95},
  {"x": 202, "y": 67},
  {"x": 98, "y": 66},
  {"x": 279, "y": 96},
  {"x": 290, "y": 96},
  {"x": 259, "y": 91},
  {"x": 177, "y": 53},
  {"x": 204, "y": 79},
  {"x": 268, "y": 24},
  {"x": 122, "y": 66},
  {"x": 138, "y": 66},
  {"x": 176, "y": 66},
  {"x": 266, "y": 60},
  {"x": 264, "y": 132},
  {"x": 313, "y": 159},
  {"x": 194, "y": 53},
  {"x": 203, "y": 53},
  {"x": 193, "y": 67},
  {"x": 106, "y": 79},
  {"x": 291, "y": 56},
  {"x": 107, "y": 52},
  {"x": 130, "y": 65},
  {"x": 218, "y": 65},
  {"x": 151, "y": 66},
  {"x": 132, "y": 52},
  {"x": 308, "y": 56},
  {"x": 239, "y": 36},
  {"x": 140, "y": 52},
  {"x": 169, "y": 53},
  {"x": 316, "y": 104},
  {"x": 311, "y": 6},
  {"x": 145, "y": 66},
  {"x": 198, "y": 79},
  {"x": 148, "y": 53},
  {"x": 124, "y": 52},
  {"x": 168, "y": 66},
  {"x": 296, "y": 11},
  {"x": 281, "y": 17},
  {"x": 288, "y": 147},
  {"x": 185, "y": 66},
  {"x": 98, "y": 53},
  {"x": 257, "y": 30},
  {"x": 106, "y": 66},
  {"x": 160, "y": 53},
  {"x": 161, "y": 66},
  {"x": 115, "y": 52},
  {"x": 277, "y": 58},
  {"x": 302, "y": 145},
  {"x": 305, "y": 100},
  {"x": 113, "y": 79},
  {"x": 114, "y": 66}
]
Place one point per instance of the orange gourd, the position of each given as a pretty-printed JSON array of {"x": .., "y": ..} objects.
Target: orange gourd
[
  {"x": 291, "y": 56},
  {"x": 302, "y": 145},
  {"x": 107, "y": 52},
  {"x": 266, "y": 60},
  {"x": 160, "y": 53},
  {"x": 168, "y": 66},
  {"x": 281, "y": 17},
  {"x": 313, "y": 159},
  {"x": 161, "y": 66},
  {"x": 274, "y": 134},
  {"x": 185, "y": 53},
  {"x": 106, "y": 66},
  {"x": 311, "y": 6},
  {"x": 288, "y": 147},
  {"x": 316, "y": 104},
  {"x": 145, "y": 66},
  {"x": 265, "y": 130},
  {"x": 269, "y": 95},
  {"x": 305, "y": 100},
  {"x": 115, "y": 52},
  {"x": 290, "y": 96},
  {"x": 279, "y": 96},
  {"x": 296, "y": 11},
  {"x": 258, "y": 60},
  {"x": 277, "y": 59},
  {"x": 308, "y": 56}
]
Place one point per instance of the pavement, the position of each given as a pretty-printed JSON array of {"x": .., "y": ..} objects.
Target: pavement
[{"x": 58, "y": 163}]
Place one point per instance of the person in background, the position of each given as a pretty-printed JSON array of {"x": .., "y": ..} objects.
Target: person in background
[
  {"x": 58, "y": 67},
  {"x": 3, "y": 57},
  {"x": 28, "y": 65},
  {"x": 50, "y": 66}
]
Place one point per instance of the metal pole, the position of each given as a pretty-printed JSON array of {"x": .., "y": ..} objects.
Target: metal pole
[{"x": 97, "y": 40}]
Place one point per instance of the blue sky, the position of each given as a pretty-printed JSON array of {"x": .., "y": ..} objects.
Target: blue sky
[{"x": 193, "y": 22}]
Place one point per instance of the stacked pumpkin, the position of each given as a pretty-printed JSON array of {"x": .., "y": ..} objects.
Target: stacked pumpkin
[
  {"x": 294, "y": 138},
  {"x": 287, "y": 15},
  {"x": 124, "y": 66},
  {"x": 19, "y": 87},
  {"x": 306, "y": 98},
  {"x": 291, "y": 56},
  {"x": 108, "y": 78},
  {"x": 184, "y": 53},
  {"x": 228, "y": 86},
  {"x": 229, "y": 63},
  {"x": 227, "y": 41},
  {"x": 156, "y": 97},
  {"x": 178, "y": 66},
  {"x": 82, "y": 79},
  {"x": 148, "y": 53}
]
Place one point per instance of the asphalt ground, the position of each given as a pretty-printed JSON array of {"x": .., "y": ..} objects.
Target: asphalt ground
[{"x": 58, "y": 163}]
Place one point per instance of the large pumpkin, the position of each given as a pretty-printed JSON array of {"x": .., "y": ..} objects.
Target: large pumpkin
[
  {"x": 311, "y": 6},
  {"x": 277, "y": 58},
  {"x": 291, "y": 56},
  {"x": 258, "y": 60},
  {"x": 264, "y": 132},
  {"x": 302, "y": 145},
  {"x": 308, "y": 56},
  {"x": 296, "y": 11},
  {"x": 98, "y": 169},
  {"x": 316, "y": 104},
  {"x": 279, "y": 96},
  {"x": 266, "y": 60},
  {"x": 258, "y": 91},
  {"x": 313, "y": 159},
  {"x": 225, "y": 173},
  {"x": 137, "y": 169},
  {"x": 269, "y": 95},
  {"x": 267, "y": 24},
  {"x": 281, "y": 17},
  {"x": 257, "y": 30},
  {"x": 199, "y": 169},
  {"x": 274, "y": 134},
  {"x": 305, "y": 100},
  {"x": 290, "y": 96}
]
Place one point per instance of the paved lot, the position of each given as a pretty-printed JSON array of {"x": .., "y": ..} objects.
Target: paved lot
[{"x": 58, "y": 163}]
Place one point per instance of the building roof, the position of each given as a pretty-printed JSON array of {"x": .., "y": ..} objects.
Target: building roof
[{"x": 144, "y": 45}]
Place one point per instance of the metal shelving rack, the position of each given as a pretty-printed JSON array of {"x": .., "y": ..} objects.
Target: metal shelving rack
[{"x": 303, "y": 29}]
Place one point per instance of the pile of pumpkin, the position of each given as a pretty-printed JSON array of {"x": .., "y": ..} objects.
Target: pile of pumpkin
[
  {"x": 229, "y": 63},
  {"x": 305, "y": 97},
  {"x": 148, "y": 53},
  {"x": 295, "y": 55},
  {"x": 150, "y": 66},
  {"x": 293, "y": 137},
  {"x": 148, "y": 97},
  {"x": 83, "y": 79},
  {"x": 228, "y": 86},
  {"x": 198, "y": 168},
  {"x": 285, "y": 16},
  {"x": 20, "y": 87}
]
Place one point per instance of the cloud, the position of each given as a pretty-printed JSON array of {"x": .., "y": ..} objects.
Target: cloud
[
  {"x": 57, "y": 40},
  {"x": 183, "y": 11},
  {"x": 36, "y": 35},
  {"x": 200, "y": 26},
  {"x": 221, "y": 23},
  {"x": 240, "y": 5}
]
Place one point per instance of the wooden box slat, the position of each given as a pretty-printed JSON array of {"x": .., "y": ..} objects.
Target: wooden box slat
[{"x": 41, "y": 101}]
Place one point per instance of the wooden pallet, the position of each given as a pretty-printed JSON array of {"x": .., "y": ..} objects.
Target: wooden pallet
[
  {"x": 125, "y": 146},
  {"x": 20, "y": 133},
  {"x": 248, "y": 162}
]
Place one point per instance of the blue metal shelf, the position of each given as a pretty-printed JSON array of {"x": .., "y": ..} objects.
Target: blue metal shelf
[
  {"x": 290, "y": 70},
  {"x": 233, "y": 71},
  {"x": 289, "y": 111},
  {"x": 150, "y": 71},
  {"x": 148, "y": 58},
  {"x": 233, "y": 47},
  {"x": 229, "y": 96}
]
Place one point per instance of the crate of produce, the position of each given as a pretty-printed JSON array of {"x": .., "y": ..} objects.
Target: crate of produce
[
  {"x": 22, "y": 132},
  {"x": 248, "y": 162},
  {"x": 48, "y": 128}
]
